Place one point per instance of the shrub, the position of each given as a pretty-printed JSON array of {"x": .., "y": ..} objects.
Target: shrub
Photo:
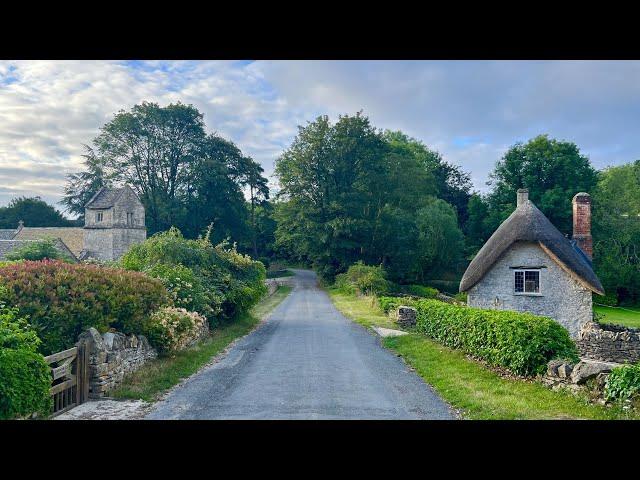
[
  {"x": 185, "y": 288},
  {"x": 623, "y": 383},
  {"x": 232, "y": 282},
  {"x": 422, "y": 291},
  {"x": 521, "y": 342},
  {"x": 38, "y": 250},
  {"x": 364, "y": 279},
  {"x": 461, "y": 297},
  {"x": 25, "y": 378},
  {"x": 172, "y": 329},
  {"x": 62, "y": 300},
  {"x": 388, "y": 304},
  {"x": 610, "y": 299}
]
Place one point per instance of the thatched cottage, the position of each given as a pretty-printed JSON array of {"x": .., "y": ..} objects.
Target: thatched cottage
[
  {"x": 114, "y": 220},
  {"x": 528, "y": 265}
]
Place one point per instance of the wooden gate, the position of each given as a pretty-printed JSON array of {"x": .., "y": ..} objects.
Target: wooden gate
[{"x": 69, "y": 377}]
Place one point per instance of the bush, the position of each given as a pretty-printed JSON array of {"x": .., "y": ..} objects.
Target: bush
[
  {"x": 232, "y": 282},
  {"x": 363, "y": 279},
  {"x": 461, "y": 297},
  {"x": 388, "y": 304},
  {"x": 623, "y": 383},
  {"x": 172, "y": 329},
  {"x": 25, "y": 378},
  {"x": 422, "y": 291},
  {"x": 38, "y": 250},
  {"x": 62, "y": 300},
  {"x": 611, "y": 299},
  {"x": 185, "y": 288},
  {"x": 521, "y": 342}
]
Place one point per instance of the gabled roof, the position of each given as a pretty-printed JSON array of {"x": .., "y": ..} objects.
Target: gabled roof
[
  {"x": 72, "y": 237},
  {"x": 7, "y": 233},
  {"x": 528, "y": 224},
  {"x": 7, "y": 246},
  {"x": 105, "y": 198}
]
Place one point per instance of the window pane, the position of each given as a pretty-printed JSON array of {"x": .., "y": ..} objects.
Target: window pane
[
  {"x": 532, "y": 281},
  {"x": 519, "y": 283}
]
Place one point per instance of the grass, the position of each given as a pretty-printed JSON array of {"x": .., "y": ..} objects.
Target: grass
[
  {"x": 629, "y": 317},
  {"x": 466, "y": 384},
  {"x": 157, "y": 376}
]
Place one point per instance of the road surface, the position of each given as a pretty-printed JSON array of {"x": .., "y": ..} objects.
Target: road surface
[{"x": 307, "y": 361}]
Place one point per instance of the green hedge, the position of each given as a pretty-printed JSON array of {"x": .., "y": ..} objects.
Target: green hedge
[
  {"x": 521, "y": 342},
  {"x": 222, "y": 282},
  {"x": 25, "y": 378},
  {"x": 62, "y": 300},
  {"x": 623, "y": 383}
]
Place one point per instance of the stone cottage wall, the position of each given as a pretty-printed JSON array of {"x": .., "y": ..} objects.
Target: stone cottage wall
[
  {"x": 609, "y": 343},
  {"x": 561, "y": 297},
  {"x": 112, "y": 357}
]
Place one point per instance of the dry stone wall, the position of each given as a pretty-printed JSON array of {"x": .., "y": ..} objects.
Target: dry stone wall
[
  {"x": 112, "y": 357},
  {"x": 609, "y": 343}
]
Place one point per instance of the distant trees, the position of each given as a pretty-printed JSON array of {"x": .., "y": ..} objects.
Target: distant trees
[
  {"x": 351, "y": 193},
  {"x": 184, "y": 176},
  {"x": 34, "y": 211},
  {"x": 616, "y": 231}
]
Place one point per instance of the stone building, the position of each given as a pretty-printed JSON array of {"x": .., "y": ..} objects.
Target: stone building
[
  {"x": 528, "y": 265},
  {"x": 114, "y": 220}
]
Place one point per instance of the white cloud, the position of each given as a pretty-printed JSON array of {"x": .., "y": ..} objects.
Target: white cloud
[{"x": 470, "y": 111}]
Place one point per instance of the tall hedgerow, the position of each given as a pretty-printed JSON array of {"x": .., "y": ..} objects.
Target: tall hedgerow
[{"x": 61, "y": 300}]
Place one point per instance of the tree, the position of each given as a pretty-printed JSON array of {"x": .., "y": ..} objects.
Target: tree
[
  {"x": 34, "y": 212},
  {"x": 183, "y": 176},
  {"x": 82, "y": 186},
  {"x": 350, "y": 193},
  {"x": 476, "y": 228},
  {"x": 616, "y": 231},
  {"x": 553, "y": 171}
]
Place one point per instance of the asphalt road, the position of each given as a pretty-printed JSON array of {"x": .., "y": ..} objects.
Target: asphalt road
[{"x": 307, "y": 361}]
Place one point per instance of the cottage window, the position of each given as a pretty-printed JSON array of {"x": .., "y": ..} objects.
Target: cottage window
[
  {"x": 99, "y": 217},
  {"x": 129, "y": 218},
  {"x": 527, "y": 281}
]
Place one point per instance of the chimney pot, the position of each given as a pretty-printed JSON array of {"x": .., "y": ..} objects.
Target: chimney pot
[
  {"x": 523, "y": 196},
  {"x": 582, "y": 222}
]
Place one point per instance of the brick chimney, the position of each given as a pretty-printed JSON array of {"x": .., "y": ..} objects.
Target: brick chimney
[
  {"x": 522, "y": 196},
  {"x": 582, "y": 223}
]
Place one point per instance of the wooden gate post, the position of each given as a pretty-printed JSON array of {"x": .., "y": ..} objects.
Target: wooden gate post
[{"x": 82, "y": 389}]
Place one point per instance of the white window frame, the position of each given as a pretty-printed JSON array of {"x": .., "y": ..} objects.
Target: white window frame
[{"x": 524, "y": 270}]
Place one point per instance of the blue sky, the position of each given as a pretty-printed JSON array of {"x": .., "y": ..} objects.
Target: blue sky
[{"x": 470, "y": 111}]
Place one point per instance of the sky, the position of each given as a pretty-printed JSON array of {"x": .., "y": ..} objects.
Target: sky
[{"x": 469, "y": 111}]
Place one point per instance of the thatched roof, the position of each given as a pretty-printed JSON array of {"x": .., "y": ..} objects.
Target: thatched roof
[{"x": 528, "y": 224}]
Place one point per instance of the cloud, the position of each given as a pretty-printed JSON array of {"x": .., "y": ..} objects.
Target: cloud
[{"x": 471, "y": 111}]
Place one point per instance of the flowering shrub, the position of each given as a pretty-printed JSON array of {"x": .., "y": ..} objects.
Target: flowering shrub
[
  {"x": 61, "y": 300},
  {"x": 172, "y": 329},
  {"x": 185, "y": 288},
  {"x": 230, "y": 282},
  {"x": 24, "y": 376}
]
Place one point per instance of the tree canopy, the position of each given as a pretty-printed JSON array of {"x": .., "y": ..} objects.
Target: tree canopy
[
  {"x": 184, "y": 176},
  {"x": 34, "y": 212},
  {"x": 350, "y": 193}
]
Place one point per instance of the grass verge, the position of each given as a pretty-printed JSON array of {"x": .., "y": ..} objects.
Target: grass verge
[
  {"x": 157, "y": 376},
  {"x": 629, "y": 317},
  {"x": 469, "y": 386}
]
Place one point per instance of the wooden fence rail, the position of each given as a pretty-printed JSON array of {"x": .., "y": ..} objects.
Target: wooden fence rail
[{"x": 69, "y": 378}]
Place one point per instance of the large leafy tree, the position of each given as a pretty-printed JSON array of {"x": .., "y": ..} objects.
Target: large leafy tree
[
  {"x": 349, "y": 193},
  {"x": 184, "y": 176},
  {"x": 34, "y": 212},
  {"x": 553, "y": 171},
  {"x": 616, "y": 231}
]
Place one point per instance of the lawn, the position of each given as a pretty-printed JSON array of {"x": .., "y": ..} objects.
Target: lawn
[
  {"x": 466, "y": 384},
  {"x": 629, "y": 317},
  {"x": 154, "y": 378}
]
